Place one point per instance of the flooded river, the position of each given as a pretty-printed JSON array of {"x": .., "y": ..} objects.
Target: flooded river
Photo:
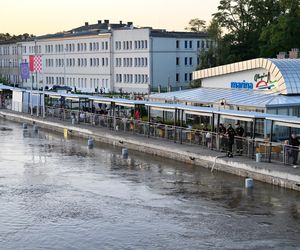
[{"x": 58, "y": 194}]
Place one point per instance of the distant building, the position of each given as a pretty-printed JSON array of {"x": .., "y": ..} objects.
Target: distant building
[{"x": 111, "y": 57}]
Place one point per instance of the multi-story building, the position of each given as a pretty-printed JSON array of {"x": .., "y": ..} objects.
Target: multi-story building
[
  {"x": 10, "y": 57},
  {"x": 115, "y": 57}
]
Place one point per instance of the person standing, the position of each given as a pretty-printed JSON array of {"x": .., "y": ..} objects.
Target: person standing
[
  {"x": 239, "y": 131},
  {"x": 230, "y": 134},
  {"x": 222, "y": 132},
  {"x": 294, "y": 142}
]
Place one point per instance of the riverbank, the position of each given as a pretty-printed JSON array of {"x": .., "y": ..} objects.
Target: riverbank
[{"x": 272, "y": 173}]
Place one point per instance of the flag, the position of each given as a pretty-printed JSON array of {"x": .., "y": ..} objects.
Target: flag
[
  {"x": 35, "y": 63},
  {"x": 24, "y": 70}
]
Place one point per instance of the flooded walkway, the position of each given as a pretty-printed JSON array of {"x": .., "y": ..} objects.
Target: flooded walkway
[{"x": 58, "y": 194}]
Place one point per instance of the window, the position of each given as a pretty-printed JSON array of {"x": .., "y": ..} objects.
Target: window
[
  {"x": 177, "y": 77},
  {"x": 198, "y": 44},
  {"x": 191, "y": 60},
  {"x": 191, "y": 44},
  {"x": 191, "y": 76},
  {"x": 177, "y": 44},
  {"x": 202, "y": 44},
  {"x": 177, "y": 61},
  {"x": 185, "y": 61},
  {"x": 185, "y": 44},
  {"x": 185, "y": 77}
]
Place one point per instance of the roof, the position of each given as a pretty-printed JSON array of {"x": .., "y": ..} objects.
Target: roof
[
  {"x": 238, "y": 97},
  {"x": 285, "y": 71},
  {"x": 288, "y": 121},
  {"x": 6, "y": 87},
  {"x": 163, "y": 33}
]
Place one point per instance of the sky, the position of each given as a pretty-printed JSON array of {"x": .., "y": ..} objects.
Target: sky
[{"x": 40, "y": 17}]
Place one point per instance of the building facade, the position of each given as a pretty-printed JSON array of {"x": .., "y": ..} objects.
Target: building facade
[
  {"x": 10, "y": 57},
  {"x": 112, "y": 57}
]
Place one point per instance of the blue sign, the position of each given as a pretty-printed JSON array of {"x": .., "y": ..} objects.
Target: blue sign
[
  {"x": 24, "y": 70},
  {"x": 241, "y": 85}
]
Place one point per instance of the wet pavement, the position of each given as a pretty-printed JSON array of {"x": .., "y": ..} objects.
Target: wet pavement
[{"x": 58, "y": 194}]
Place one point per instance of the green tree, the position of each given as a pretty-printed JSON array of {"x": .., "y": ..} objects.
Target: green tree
[
  {"x": 243, "y": 21},
  {"x": 196, "y": 25},
  {"x": 282, "y": 34}
]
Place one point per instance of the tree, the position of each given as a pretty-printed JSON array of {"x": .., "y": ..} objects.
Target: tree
[
  {"x": 282, "y": 34},
  {"x": 244, "y": 21},
  {"x": 196, "y": 25}
]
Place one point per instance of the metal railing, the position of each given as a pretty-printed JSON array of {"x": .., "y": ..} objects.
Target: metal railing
[{"x": 243, "y": 146}]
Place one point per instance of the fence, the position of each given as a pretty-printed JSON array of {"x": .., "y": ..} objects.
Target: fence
[{"x": 244, "y": 146}]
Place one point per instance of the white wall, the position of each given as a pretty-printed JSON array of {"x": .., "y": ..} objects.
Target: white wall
[{"x": 224, "y": 81}]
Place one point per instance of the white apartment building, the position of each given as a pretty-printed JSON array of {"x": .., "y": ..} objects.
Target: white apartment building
[
  {"x": 10, "y": 57},
  {"x": 114, "y": 57}
]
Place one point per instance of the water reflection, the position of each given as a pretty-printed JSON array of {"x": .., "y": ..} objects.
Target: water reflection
[{"x": 58, "y": 194}]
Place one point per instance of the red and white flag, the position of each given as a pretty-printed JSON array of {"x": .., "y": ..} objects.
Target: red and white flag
[{"x": 35, "y": 63}]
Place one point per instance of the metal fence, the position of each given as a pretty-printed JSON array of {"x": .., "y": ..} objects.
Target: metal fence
[{"x": 262, "y": 150}]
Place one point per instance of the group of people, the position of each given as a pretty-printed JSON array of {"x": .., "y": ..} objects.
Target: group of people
[{"x": 227, "y": 138}]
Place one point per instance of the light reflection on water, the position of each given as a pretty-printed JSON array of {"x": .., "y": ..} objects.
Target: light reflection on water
[{"x": 57, "y": 194}]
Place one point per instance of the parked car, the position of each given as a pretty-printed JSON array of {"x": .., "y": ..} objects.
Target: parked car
[{"x": 60, "y": 89}]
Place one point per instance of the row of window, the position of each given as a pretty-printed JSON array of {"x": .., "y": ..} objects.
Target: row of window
[
  {"x": 36, "y": 49},
  {"x": 6, "y": 50},
  {"x": 78, "y": 82},
  {"x": 132, "y": 62},
  {"x": 8, "y": 63},
  {"x": 11, "y": 78},
  {"x": 81, "y": 62},
  {"x": 129, "y": 45},
  {"x": 187, "y": 61},
  {"x": 188, "y": 44},
  {"x": 187, "y": 77},
  {"x": 60, "y": 48},
  {"x": 130, "y": 78}
]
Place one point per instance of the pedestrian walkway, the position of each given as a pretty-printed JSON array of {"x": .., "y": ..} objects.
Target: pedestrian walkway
[{"x": 273, "y": 173}]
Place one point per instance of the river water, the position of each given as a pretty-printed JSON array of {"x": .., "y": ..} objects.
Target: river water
[{"x": 58, "y": 194}]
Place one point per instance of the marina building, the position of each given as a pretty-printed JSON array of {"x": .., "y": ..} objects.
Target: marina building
[{"x": 262, "y": 85}]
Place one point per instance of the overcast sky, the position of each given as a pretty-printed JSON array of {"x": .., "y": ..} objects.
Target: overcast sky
[{"x": 50, "y": 16}]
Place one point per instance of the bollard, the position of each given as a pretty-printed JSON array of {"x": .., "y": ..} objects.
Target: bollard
[
  {"x": 34, "y": 128},
  {"x": 249, "y": 183},
  {"x": 24, "y": 125},
  {"x": 125, "y": 153},
  {"x": 258, "y": 157},
  {"x": 90, "y": 143},
  {"x": 66, "y": 133}
]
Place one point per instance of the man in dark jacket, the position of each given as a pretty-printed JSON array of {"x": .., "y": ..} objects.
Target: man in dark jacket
[
  {"x": 222, "y": 132},
  {"x": 294, "y": 142},
  {"x": 230, "y": 134},
  {"x": 239, "y": 131}
]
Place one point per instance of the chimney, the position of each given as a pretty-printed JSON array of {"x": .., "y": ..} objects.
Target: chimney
[
  {"x": 106, "y": 21},
  {"x": 121, "y": 22},
  {"x": 129, "y": 23},
  {"x": 86, "y": 24},
  {"x": 99, "y": 21},
  {"x": 281, "y": 55},
  {"x": 294, "y": 53}
]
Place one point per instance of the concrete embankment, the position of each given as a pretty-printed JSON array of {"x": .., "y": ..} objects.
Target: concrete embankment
[{"x": 276, "y": 174}]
